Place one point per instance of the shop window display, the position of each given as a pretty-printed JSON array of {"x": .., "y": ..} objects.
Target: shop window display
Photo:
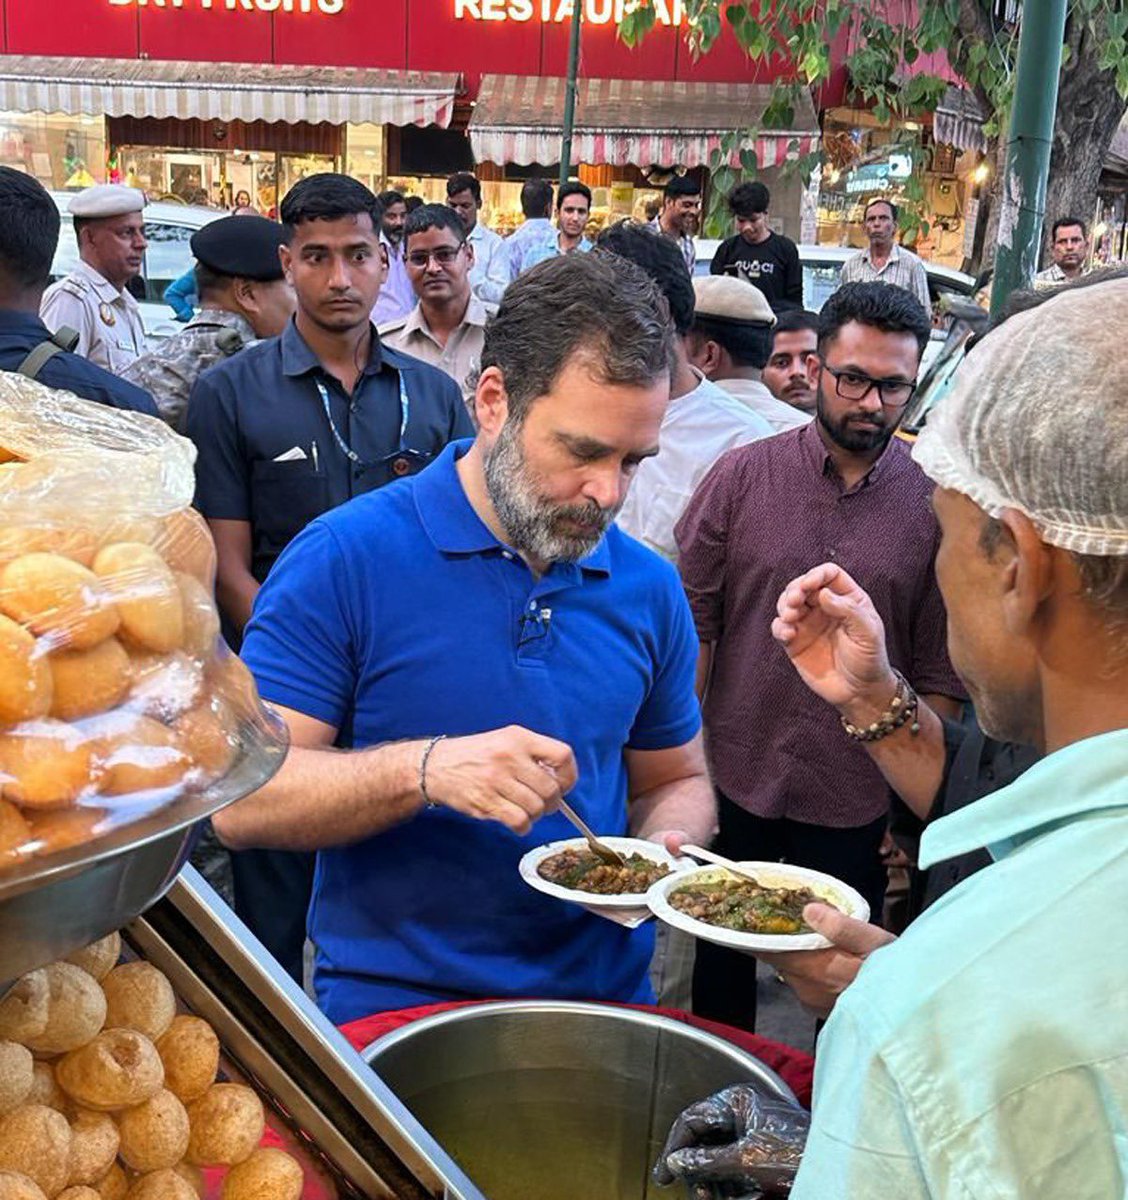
[{"x": 65, "y": 152}]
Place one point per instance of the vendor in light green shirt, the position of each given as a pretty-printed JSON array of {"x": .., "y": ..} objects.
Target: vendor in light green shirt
[{"x": 985, "y": 1053}]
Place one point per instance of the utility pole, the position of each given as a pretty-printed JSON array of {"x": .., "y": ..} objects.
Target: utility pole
[
  {"x": 1023, "y": 204},
  {"x": 570, "y": 91}
]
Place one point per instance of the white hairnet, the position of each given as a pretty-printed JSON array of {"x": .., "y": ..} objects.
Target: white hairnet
[{"x": 1038, "y": 421}]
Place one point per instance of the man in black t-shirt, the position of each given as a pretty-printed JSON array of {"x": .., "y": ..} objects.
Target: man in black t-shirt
[{"x": 756, "y": 254}]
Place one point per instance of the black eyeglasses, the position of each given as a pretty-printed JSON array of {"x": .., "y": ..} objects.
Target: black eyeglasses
[
  {"x": 444, "y": 256},
  {"x": 853, "y": 385}
]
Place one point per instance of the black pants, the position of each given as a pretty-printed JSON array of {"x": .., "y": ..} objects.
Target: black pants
[
  {"x": 724, "y": 981},
  {"x": 272, "y": 894}
]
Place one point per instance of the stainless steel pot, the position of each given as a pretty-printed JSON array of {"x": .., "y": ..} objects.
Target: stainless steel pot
[{"x": 545, "y": 1100}]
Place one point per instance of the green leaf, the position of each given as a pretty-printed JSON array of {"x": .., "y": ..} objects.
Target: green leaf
[{"x": 749, "y": 160}]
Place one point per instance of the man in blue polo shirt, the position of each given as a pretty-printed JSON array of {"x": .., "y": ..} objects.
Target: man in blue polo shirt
[
  {"x": 481, "y": 640},
  {"x": 296, "y": 425}
]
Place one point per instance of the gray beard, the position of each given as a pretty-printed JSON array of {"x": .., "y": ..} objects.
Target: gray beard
[{"x": 531, "y": 522}]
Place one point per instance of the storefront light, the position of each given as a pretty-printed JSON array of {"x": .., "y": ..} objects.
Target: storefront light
[{"x": 979, "y": 175}]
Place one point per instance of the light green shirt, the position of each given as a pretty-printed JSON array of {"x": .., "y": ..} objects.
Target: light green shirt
[{"x": 985, "y": 1053}]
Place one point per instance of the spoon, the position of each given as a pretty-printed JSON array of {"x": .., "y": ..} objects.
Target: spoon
[
  {"x": 601, "y": 851},
  {"x": 720, "y": 861}
]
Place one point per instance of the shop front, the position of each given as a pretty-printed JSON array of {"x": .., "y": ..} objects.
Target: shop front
[{"x": 216, "y": 101}]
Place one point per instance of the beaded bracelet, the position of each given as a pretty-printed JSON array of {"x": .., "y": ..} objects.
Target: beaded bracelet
[
  {"x": 902, "y": 709},
  {"x": 423, "y": 770}
]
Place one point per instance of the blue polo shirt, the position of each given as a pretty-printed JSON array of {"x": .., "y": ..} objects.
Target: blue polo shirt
[
  {"x": 21, "y": 332},
  {"x": 269, "y": 455},
  {"x": 401, "y": 615}
]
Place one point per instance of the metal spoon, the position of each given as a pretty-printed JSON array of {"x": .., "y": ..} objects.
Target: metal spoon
[
  {"x": 601, "y": 851},
  {"x": 720, "y": 861}
]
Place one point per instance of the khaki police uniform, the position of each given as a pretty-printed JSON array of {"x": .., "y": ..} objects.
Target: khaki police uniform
[{"x": 110, "y": 331}]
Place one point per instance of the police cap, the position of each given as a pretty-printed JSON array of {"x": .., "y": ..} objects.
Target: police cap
[
  {"x": 106, "y": 200},
  {"x": 725, "y": 298},
  {"x": 242, "y": 246}
]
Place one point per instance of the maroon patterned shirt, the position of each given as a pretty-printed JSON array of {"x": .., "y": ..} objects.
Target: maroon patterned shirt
[{"x": 766, "y": 513}]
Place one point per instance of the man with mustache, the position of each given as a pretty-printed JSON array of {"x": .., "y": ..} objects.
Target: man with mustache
[
  {"x": 454, "y": 654},
  {"x": 296, "y": 425},
  {"x": 791, "y": 784}
]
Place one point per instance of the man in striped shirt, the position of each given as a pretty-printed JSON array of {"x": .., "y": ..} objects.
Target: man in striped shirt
[{"x": 884, "y": 261}]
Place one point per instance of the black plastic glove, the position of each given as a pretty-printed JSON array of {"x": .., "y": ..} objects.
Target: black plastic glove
[{"x": 736, "y": 1143}]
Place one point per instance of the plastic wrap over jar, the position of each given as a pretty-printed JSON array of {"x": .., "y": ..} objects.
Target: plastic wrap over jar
[{"x": 117, "y": 695}]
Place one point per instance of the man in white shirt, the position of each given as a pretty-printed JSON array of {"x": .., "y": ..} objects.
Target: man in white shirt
[
  {"x": 883, "y": 261},
  {"x": 489, "y": 275},
  {"x": 397, "y": 297},
  {"x": 730, "y": 341},
  {"x": 537, "y": 231},
  {"x": 1069, "y": 248},
  {"x": 447, "y": 328},
  {"x": 702, "y": 421}
]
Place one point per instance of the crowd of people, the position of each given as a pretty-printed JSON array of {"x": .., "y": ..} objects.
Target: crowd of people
[{"x": 499, "y": 522}]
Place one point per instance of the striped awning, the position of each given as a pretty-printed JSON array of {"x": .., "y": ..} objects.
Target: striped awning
[
  {"x": 623, "y": 122},
  {"x": 958, "y": 121},
  {"x": 125, "y": 87}
]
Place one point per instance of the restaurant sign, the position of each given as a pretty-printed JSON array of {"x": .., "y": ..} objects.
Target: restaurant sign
[
  {"x": 555, "y": 12},
  {"x": 327, "y": 8}
]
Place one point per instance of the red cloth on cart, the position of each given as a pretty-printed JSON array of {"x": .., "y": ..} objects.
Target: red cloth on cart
[{"x": 793, "y": 1066}]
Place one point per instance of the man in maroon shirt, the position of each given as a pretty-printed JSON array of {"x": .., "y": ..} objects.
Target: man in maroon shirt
[{"x": 791, "y": 783}]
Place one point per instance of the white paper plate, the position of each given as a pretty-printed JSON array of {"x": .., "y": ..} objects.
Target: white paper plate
[
  {"x": 770, "y": 874},
  {"x": 625, "y": 845}
]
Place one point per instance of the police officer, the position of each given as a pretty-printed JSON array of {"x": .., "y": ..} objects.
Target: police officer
[
  {"x": 244, "y": 296},
  {"x": 29, "y": 237},
  {"x": 296, "y": 425},
  {"x": 93, "y": 299}
]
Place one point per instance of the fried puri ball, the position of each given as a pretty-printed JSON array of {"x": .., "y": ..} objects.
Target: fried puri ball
[
  {"x": 204, "y": 737},
  {"x": 85, "y": 682},
  {"x": 71, "y": 541},
  {"x": 118, "y": 1069},
  {"x": 35, "y": 1140},
  {"x": 45, "y": 1088},
  {"x": 100, "y": 957},
  {"x": 268, "y": 1174},
  {"x": 78, "y": 1193},
  {"x": 226, "y": 1125},
  {"x": 189, "y": 1050},
  {"x": 185, "y": 543},
  {"x": 25, "y": 677},
  {"x": 114, "y": 1184},
  {"x": 63, "y": 828},
  {"x": 17, "y": 1186},
  {"x": 15, "y": 833},
  {"x": 17, "y": 1073},
  {"x": 192, "y": 1176},
  {"x": 201, "y": 620},
  {"x": 145, "y": 592},
  {"x": 164, "y": 685},
  {"x": 154, "y": 1135},
  {"x": 136, "y": 753},
  {"x": 45, "y": 764},
  {"x": 139, "y": 997},
  {"x": 58, "y": 598},
  {"x": 161, "y": 1185},
  {"x": 24, "y": 1007},
  {"x": 76, "y": 1010},
  {"x": 94, "y": 1146}
]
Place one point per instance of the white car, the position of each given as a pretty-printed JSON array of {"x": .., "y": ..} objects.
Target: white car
[
  {"x": 168, "y": 228},
  {"x": 822, "y": 266}
]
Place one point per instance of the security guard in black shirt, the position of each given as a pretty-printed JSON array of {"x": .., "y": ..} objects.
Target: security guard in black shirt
[
  {"x": 29, "y": 236},
  {"x": 292, "y": 427}
]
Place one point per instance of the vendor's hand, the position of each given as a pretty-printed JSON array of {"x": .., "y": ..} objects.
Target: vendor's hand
[
  {"x": 836, "y": 641},
  {"x": 510, "y": 775},
  {"x": 819, "y": 977},
  {"x": 735, "y": 1142}
]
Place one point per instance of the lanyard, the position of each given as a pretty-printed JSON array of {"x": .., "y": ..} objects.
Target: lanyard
[{"x": 345, "y": 448}]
